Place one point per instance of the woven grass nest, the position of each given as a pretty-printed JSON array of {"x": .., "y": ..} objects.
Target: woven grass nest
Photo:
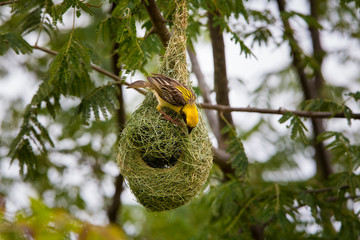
[{"x": 165, "y": 166}]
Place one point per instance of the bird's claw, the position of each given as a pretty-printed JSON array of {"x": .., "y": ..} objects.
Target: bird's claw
[
  {"x": 167, "y": 117},
  {"x": 172, "y": 121}
]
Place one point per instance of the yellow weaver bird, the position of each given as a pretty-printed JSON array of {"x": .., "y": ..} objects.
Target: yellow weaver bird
[{"x": 174, "y": 95}]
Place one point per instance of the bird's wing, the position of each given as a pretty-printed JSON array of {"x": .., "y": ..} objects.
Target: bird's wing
[
  {"x": 167, "y": 89},
  {"x": 187, "y": 93}
]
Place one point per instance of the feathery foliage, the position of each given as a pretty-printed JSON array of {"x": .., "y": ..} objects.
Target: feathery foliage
[
  {"x": 323, "y": 105},
  {"x": 238, "y": 159},
  {"x": 100, "y": 103},
  {"x": 298, "y": 127},
  {"x": 14, "y": 41}
]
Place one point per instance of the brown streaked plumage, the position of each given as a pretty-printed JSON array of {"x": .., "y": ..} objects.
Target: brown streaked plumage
[{"x": 174, "y": 95}]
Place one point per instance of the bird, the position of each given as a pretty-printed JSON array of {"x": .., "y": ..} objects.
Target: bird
[{"x": 174, "y": 95}]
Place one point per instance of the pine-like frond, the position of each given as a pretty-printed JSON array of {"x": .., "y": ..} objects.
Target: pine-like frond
[
  {"x": 323, "y": 105},
  {"x": 99, "y": 103},
  {"x": 15, "y": 42},
  {"x": 29, "y": 17},
  {"x": 60, "y": 9},
  {"x": 122, "y": 28},
  {"x": 238, "y": 158},
  {"x": 32, "y": 135},
  {"x": 69, "y": 71},
  {"x": 68, "y": 77},
  {"x": 298, "y": 128}
]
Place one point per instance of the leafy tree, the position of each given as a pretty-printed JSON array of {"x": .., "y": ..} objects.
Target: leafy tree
[{"x": 64, "y": 139}]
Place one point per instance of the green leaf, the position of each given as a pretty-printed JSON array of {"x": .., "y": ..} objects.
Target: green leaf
[
  {"x": 14, "y": 41},
  {"x": 69, "y": 77},
  {"x": 298, "y": 127},
  {"x": 26, "y": 156},
  {"x": 311, "y": 21},
  {"x": 122, "y": 28},
  {"x": 238, "y": 158},
  {"x": 99, "y": 103},
  {"x": 243, "y": 48},
  {"x": 357, "y": 2},
  {"x": 323, "y": 105},
  {"x": 343, "y": 151},
  {"x": 84, "y": 7},
  {"x": 286, "y": 116},
  {"x": 355, "y": 95},
  {"x": 69, "y": 71}
]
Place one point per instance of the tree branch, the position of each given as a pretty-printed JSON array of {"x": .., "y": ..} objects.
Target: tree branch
[
  {"x": 220, "y": 75},
  {"x": 327, "y": 189},
  {"x": 318, "y": 52},
  {"x": 280, "y": 111},
  {"x": 324, "y": 168},
  {"x": 6, "y": 3},
  {"x": 212, "y": 119},
  {"x": 113, "y": 209},
  {"x": 221, "y": 158},
  {"x": 96, "y": 68},
  {"x": 322, "y": 154},
  {"x": 223, "y": 108},
  {"x": 158, "y": 21}
]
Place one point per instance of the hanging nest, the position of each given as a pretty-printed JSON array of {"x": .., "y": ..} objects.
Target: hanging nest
[{"x": 164, "y": 165}]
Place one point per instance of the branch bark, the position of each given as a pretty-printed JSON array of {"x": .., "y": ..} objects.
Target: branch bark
[
  {"x": 224, "y": 108},
  {"x": 158, "y": 21},
  {"x": 220, "y": 75},
  {"x": 121, "y": 120},
  {"x": 324, "y": 168},
  {"x": 322, "y": 154},
  {"x": 221, "y": 158},
  {"x": 96, "y": 68},
  {"x": 113, "y": 209},
  {"x": 205, "y": 90},
  {"x": 318, "y": 51},
  {"x": 280, "y": 111},
  {"x": 6, "y": 3}
]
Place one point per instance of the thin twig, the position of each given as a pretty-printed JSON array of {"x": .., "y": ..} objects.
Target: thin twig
[
  {"x": 280, "y": 111},
  {"x": 96, "y": 68},
  {"x": 6, "y": 3},
  {"x": 220, "y": 74},
  {"x": 310, "y": 89},
  {"x": 205, "y": 90},
  {"x": 152, "y": 31},
  {"x": 224, "y": 108},
  {"x": 326, "y": 189},
  {"x": 93, "y": 5}
]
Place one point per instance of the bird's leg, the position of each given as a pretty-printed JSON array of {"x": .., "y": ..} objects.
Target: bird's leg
[{"x": 167, "y": 117}]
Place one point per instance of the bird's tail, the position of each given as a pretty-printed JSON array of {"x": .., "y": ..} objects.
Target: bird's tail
[{"x": 139, "y": 84}]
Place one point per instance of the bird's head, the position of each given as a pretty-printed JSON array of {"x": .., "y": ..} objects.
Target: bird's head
[{"x": 190, "y": 116}]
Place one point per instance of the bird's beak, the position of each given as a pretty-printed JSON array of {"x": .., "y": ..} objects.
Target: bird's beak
[{"x": 189, "y": 129}]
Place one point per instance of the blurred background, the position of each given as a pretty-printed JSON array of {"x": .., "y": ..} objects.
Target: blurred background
[{"x": 58, "y": 152}]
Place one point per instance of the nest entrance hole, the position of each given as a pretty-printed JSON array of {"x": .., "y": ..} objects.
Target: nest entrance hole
[
  {"x": 161, "y": 162},
  {"x": 158, "y": 148}
]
